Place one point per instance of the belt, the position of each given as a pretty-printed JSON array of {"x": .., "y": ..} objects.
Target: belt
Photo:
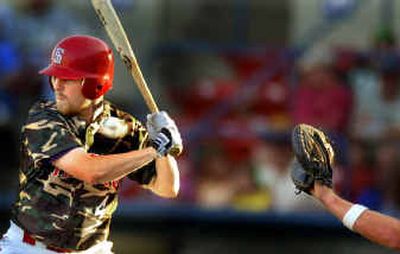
[{"x": 30, "y": 240}]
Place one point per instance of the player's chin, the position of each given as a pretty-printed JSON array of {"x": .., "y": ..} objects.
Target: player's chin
[{"x": 64, "y": 108}]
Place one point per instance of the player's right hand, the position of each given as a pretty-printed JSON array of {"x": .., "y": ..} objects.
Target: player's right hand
[{"x": 164, "y": 134}]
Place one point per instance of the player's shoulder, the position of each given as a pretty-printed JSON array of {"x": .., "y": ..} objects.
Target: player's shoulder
[
  {"x": 43, "y": 109},
  {"x": 118, "y": 111},
  {"x": 41, "y": 105}
]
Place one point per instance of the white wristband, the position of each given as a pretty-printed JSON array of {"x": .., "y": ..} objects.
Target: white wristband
[{"x": 352, "y": 215}]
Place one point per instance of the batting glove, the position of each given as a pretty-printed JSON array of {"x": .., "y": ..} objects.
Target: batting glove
[
  {"x": 164, "y": 134},
  {"x": 162, "y": 142}
]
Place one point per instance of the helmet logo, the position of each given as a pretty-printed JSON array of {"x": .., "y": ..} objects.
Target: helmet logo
[{"x": 58, "y": 55}]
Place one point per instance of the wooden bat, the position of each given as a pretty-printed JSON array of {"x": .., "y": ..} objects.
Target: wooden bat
[{"x": 110, "y": 20}]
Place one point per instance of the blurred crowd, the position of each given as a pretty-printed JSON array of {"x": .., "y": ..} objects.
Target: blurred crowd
[
  {"x": 238, "y": 125},
  {"x": 236, "y": 109},
  {"x": 28, "y": 31}
]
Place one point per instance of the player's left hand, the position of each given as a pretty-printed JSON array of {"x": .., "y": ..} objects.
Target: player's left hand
[
  {"x": 164, "y": 133},
  {"x": 322, "y": 192}
]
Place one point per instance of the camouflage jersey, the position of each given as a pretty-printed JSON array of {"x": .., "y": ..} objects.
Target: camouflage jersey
[{"x": 54, "y": 207}]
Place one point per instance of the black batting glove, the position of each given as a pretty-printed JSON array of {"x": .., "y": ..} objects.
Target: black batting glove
[{"x": 162, "y": 142}]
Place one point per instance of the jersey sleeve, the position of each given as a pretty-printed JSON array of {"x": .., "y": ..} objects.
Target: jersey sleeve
[{"x": 48, "y": 136}]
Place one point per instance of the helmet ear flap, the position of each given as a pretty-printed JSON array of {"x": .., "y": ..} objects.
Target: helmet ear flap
[{"x": 94, "y": 88}]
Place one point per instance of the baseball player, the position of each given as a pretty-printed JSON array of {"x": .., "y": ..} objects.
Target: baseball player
[
  {"x": 76, "y": 150},
  {"x": 312, "y": 173}
]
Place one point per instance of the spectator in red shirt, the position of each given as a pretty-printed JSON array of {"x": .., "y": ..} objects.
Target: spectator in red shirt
[{"x": 321, "y": 99}]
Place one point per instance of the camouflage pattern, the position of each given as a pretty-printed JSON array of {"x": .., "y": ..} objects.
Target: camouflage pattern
[{"x": 54, "y": 207}]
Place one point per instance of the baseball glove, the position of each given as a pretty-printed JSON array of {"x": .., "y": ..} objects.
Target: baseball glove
[
  {"x": 302, "y": 179},
  {"x": 314, "y": 156}
]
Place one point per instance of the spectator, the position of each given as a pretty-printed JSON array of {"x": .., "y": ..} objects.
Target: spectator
[
  {"x": 322, "y": 100},
  {"x": 271, "y": 161},
  {"x": 215, "y": 186},
  {"x": 363, "y": 175},
  {"x": 388, "y": 163},
  {"x": 364, "y": 81}
]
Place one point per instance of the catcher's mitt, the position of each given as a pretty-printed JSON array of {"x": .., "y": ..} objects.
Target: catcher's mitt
[
  {"x": 314, "y": 153},
  {"x": 301, "y": 178}
]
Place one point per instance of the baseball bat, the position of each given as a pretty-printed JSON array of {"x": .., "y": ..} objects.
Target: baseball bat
[
  {"x": 112, "y": 24},
  {"x": 110, "y": 20}
]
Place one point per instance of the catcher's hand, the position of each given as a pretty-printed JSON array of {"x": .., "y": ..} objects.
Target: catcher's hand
[
  {"x": 164, "y": 134},
  {"x": 314, "y": 154}
]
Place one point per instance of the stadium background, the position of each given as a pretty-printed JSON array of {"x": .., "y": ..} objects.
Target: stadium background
[{"x": 236, "y": 75}]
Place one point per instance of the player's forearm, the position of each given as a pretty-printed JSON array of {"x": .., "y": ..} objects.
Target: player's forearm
[
  {"x": 333, "y": 203},
  {"x": 166, "y": 183},
  {"x": 103, "y": 168},
  {"x": 379, "y": 228},
  {"x": 116, "y": 166},
  {"x": 375, "y": 226}
]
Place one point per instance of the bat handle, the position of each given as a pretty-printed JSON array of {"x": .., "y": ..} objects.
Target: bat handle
[
  {"x": 148, "y": 98},
  {"x": 151, "y": 104},
  {"x": 176, "y": 151},
  {"x": 137, "y": 75}
]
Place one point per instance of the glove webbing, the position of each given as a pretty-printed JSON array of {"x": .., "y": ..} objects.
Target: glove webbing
[{"x": 327, "y": 164}]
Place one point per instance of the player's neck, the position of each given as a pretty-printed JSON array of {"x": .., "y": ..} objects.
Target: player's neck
[{"x": 95, "y": 109}]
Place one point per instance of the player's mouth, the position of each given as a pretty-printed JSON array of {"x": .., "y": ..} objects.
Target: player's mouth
[{"x": 60, "y": 97}]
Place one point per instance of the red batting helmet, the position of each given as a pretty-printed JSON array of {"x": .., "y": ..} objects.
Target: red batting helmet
[{"x": 83, "y": 57}]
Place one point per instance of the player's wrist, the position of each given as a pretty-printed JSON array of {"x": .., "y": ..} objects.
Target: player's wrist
[
  {"x": 352, "y": 215},
  {"x": 325, "y": 194},
  {"x": 153, "y": 152}
]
